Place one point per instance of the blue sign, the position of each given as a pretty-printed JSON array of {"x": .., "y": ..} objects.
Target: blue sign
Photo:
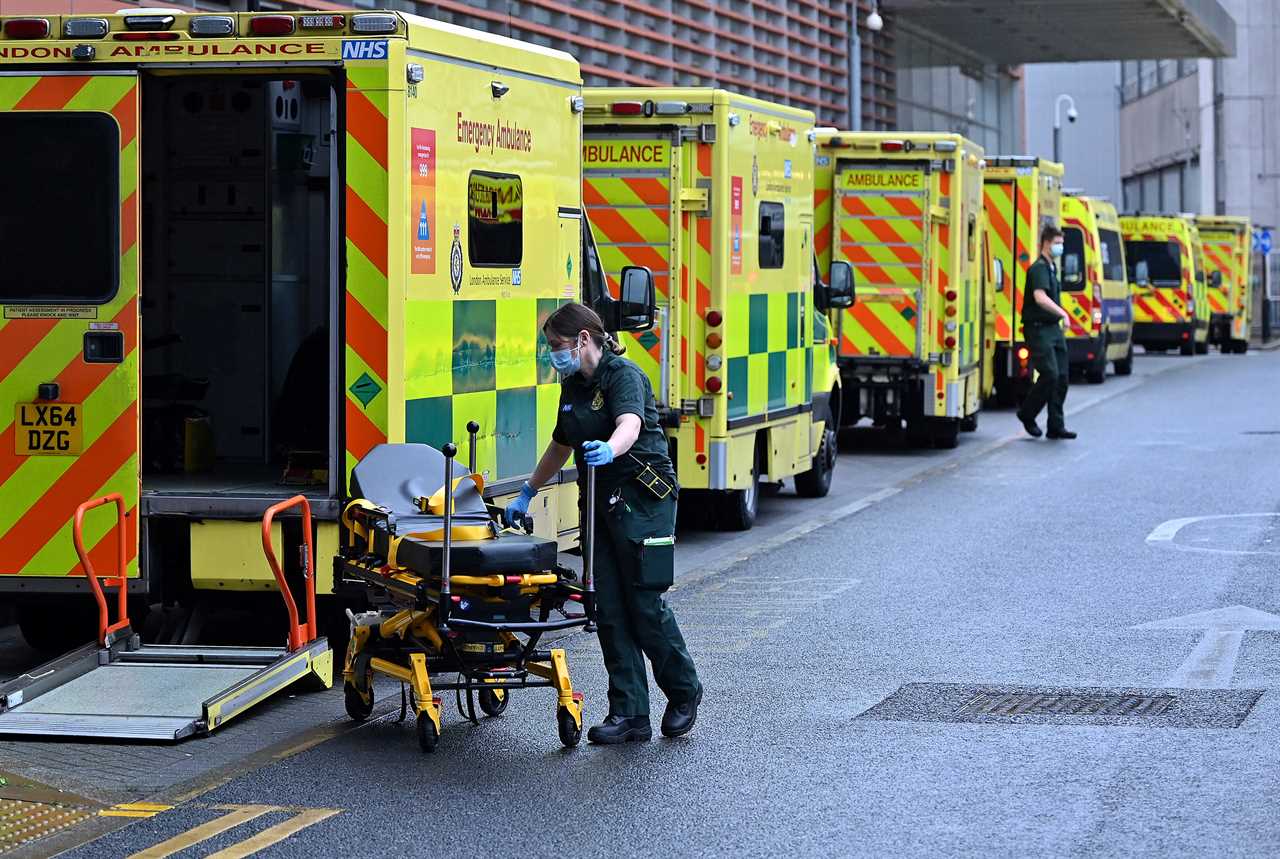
[
  {"x": 364, "y": 49},
  {"x": 1262, "y": 241}
]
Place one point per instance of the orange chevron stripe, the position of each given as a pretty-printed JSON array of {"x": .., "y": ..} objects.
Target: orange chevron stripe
[
  {"x": 704, "y": 234},
  {"x": 86, "y": 475},
  {"x": 944, "y": 184},
  {"x": 650, "y": 191},
  {"x": 128, "y": 223},
  {"x": 704, "y": 159},
  {"x": 367, "y": 124},
  {"x": 126, "y": 114},
  {"x": 366, "y": 336},
  {"x": 367, "y": 231},
  {"x": 908, "y": 206},
  {"x": 362, "y": 435},
  {"x": 18, "y": 338},
  {"x": 52, "y": 93},
  {"x": 103, "y": 553},
  {"x": 879, "y": 332}
]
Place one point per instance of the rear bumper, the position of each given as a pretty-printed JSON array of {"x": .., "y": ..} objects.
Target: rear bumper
[
  {"x": 1163, "y": 335},
  {"x": 1220, "y": 328},
  {"x": 1084, "y": 350}
]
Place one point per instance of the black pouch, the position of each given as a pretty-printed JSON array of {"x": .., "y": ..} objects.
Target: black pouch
[
  {"x": 656, "y": 569},
  {"x": 648, "y": 526},
  {"x": 652, "y": 481}
]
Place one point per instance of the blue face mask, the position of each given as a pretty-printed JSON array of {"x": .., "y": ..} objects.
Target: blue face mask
[
  {"x": 566, "y": 362},
  {"x": 1056, "y": 249}
]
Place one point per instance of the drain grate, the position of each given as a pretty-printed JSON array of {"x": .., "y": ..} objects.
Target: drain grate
[{"x": 1037, "y": 705}]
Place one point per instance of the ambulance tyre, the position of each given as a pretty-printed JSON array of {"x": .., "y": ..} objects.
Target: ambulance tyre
[
  {"x": 357, "y": 707},
  {"x": 1202, "y": 348},
  {"x": 1240, "y": 347},
  {"x": 428, "y": 736},
  {"x": 494, "y": 701},
  {"x": 946, "y": 433},
  {"x": 568, "y": 727},
  {"x": 1124, "y": 367},
  {"x": 816, "y": 482},
  {"x": 738, "y": 507},
  {"x": 1188, "y": 348},
  {"x": 970, "y": 423}
]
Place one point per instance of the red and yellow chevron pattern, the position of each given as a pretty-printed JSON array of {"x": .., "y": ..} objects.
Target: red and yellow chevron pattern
[
  {"x": 39, "y": 494},
  {"x": 1165, "y": 304},
  {"x": 1010, "y": 226}
]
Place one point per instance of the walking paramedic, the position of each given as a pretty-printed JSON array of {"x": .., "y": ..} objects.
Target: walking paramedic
[{"x": 1042, "y": 320}]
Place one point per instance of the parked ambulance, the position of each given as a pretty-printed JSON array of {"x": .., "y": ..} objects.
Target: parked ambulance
[{"x": 1095, "y": 289}]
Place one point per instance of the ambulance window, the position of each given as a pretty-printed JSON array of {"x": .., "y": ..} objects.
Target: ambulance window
[
  {"x": 773, "y": 219},
  {"x": 59, "y": 208},
  {"x": 495, "y": 220},
  {"x": 1112, "y": 255},
  {"x": 1163, "y": 259}
]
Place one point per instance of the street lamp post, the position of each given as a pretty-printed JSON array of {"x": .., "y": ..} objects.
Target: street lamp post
[{"x": 1057, "y": 122}]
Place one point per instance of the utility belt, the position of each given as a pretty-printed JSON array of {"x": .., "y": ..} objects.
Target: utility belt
[{"x": 657, "y": 485}]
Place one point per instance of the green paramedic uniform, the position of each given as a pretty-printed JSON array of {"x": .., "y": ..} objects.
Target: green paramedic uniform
[
  {"x": 635, "y": 535},
  {"x": 1048, "y": 347}
]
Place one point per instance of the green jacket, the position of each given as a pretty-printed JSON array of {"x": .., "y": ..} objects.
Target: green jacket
[{"x": 1040, "y": 275}]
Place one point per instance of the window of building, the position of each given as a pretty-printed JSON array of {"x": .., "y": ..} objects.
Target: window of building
[
  {"x": 1128, "y": 80},
  {"x": 495, "y": 220},
  {"x": 82, "y": 150},
  {"x": 1151, "y": 201},
  {"x": 772, "y": 234},
  {"x": 1132, "y": 189}
]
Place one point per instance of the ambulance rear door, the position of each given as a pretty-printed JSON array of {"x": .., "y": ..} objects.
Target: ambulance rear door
[
  {"x": 69, "y": 327},
  {"x": 879, "y": 225}
]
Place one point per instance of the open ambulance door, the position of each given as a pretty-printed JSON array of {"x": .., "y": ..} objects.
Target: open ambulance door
[{"x": 69, "y": 328}]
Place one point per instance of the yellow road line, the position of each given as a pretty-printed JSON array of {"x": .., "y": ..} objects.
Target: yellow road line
[
  {"x": 205, "y": 831},
  {"x": 134, "y": 809},
  {"x": 275, "y": 834}
]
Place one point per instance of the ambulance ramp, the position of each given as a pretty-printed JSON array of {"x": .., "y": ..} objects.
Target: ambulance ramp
[{"x": 120, "y": 688}]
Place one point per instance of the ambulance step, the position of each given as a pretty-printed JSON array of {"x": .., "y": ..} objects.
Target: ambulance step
[{"x": 18, "y": 723}]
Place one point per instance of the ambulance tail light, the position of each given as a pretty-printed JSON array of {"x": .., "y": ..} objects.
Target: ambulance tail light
[
  {"x": 714, "y": 340},
  {"x": 374, "y": 23},
  {"x": 952, "y": 295},
  {"x": 714, "y": 385},
  {"x": 1097, "y": 304},
  {"x": 322, "y": 22},
  {"x": 85, "y": 28},
  {"x": 1023, "y": 354},
  {"x": 714, "y": 318},
  {"x": 213, "y": 25},
  {"x": 627, "y": 108},
  {"x": 271, "y": 25},
  {"x": 892, "y": 145},
  {"x": 950, "y": 342},
  {"x": 27, "y": 28}
]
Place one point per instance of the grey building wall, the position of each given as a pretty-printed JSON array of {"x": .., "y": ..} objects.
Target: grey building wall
[{"x": 1091, "y": 145}]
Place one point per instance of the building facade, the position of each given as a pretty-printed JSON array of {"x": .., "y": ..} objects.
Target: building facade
[{"x": 1090, "y": 146}]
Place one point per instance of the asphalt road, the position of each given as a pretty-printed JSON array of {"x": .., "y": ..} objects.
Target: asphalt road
[{"x": 1009, "y": 561}]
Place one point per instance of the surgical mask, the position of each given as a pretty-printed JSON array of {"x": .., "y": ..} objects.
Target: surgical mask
[
  {"x": 1056, "y": 248},
  {"x": 566, "y": 362}
]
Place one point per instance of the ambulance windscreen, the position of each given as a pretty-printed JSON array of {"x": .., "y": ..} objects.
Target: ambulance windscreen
[
  {"x": 1163, "y": 259},
  {"x": 59, "y": 208}
]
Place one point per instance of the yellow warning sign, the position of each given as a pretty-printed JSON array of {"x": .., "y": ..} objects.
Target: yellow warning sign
[
  {"x": 626, "y": 154},
  {"x": 50, "y": 311},
  {"x": 882, "y": 180}
]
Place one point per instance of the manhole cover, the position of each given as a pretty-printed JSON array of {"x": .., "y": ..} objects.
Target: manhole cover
[
  {"x": 22, "y": 822},
  {"x": 1040, "y": 705}
]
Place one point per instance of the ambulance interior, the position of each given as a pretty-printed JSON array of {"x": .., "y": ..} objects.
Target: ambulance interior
[{"x": 238, "y": 256}]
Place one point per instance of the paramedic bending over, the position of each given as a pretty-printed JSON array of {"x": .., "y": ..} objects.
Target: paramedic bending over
[{"x": 608, "y": 418}]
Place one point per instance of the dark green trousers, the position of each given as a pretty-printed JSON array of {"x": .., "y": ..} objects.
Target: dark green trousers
[
  {"x": 1048, "y": 348},
  {"x": 633, "y": 617}
]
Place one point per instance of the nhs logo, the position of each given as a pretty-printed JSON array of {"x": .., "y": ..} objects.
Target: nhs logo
[{"x": 364, "y": 49}]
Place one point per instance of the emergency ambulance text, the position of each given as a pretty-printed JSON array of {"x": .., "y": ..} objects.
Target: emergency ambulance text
[{"x": 494, "y": 135}]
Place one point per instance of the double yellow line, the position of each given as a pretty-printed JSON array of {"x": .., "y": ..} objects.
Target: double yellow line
[{"x": 236, "y": 815}]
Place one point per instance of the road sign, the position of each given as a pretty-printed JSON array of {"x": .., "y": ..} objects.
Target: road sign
[{"x": 1262, "y": 241}]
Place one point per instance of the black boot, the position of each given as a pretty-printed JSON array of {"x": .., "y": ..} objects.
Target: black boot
[
  {"x": 1029, "y": 424},
  {"x": 679, "y": 718},
  {"x": 1062, "y": 434},
  {"x": 621, "y": 729}
]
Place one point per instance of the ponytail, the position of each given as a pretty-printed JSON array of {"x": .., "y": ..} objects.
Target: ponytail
[{"x": 567, "y": 320}]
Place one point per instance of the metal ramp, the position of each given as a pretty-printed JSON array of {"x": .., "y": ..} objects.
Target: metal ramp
[{"x": 119, "y": 688}]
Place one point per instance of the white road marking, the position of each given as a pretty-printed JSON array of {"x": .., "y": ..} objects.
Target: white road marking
[
  {"x": 1212, "y": 662},
  {"x": 1165, "y": 533}
]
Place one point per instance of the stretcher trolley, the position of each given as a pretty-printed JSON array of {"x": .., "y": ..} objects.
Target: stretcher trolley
[
  {"x": 118, "y": 687},
  {"x": 460, "y": 603}
]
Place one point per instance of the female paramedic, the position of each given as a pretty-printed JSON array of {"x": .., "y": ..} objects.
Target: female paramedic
[{"x": 608, "y": 418}]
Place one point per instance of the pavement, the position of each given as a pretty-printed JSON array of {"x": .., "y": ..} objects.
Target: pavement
[{"x": 1018, "y": 645}]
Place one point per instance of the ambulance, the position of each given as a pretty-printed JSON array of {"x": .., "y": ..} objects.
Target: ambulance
[
  {"x": 713, "y": 192},
  {"x": 906, "y": 212},
  {"x": 1164, "y": 261},
  {"x": 1227, "y": 240},
  {"x": 1095, "y": 289},
  {"x": 243, "y": 249},
  {"x": 1021, "y": 194}
]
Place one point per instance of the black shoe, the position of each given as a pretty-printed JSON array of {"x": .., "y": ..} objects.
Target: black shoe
[
  {"x": 679, "y": 718},
  {"x": 1030, "y": 425},
  {"x": 621, "y": 729},
  {"x": 1062, "y": 433}
]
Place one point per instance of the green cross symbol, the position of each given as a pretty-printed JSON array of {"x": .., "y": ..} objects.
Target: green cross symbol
[{"x": 568, "y": 266}]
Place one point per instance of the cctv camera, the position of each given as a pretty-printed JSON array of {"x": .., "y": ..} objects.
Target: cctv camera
[
  {"x": 874, "y": 22},
  {"x": 1071, "y": 115}
]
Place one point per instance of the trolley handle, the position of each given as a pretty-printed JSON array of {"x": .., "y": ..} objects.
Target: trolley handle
[
  {"x": 299, "y": 633},
  {"x": 589, "y": 552},
  {"x": 450, "y": 450},
  {"x": 106, "y": 629}
]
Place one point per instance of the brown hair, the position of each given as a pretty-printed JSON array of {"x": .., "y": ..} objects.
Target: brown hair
[
  {"x": 569, "y": 319},
  {"x": 1049, "y": 232}
]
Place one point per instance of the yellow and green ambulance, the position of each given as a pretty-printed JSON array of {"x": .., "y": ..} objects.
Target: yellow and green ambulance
[
  {"x": 240, "y": 251},
  {"x": 713, "y": 192},
  {"x": 1164, "y": 261},
  {"x": 1095, "y": 289},
  {"x": 1227, "y": 240}
]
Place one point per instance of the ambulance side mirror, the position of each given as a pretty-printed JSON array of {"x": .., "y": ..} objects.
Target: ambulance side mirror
[
  {"x": 1071, "y": 269},
  {"x": 1142, "y": 273},
  {"x": 637, "y": 307},
  {"x": 1215, "y": 280},
  {"x": 843, "y": 291},
  {"x": 999, "y": 275}
]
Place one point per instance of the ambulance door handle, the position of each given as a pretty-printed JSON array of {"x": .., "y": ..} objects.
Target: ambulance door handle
[{"x": 103, "y": 347}]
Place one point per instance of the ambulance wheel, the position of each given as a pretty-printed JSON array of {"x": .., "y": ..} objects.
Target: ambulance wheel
[
  {"x": 1124, "y": 367},
  {"x": 569, "y": 728},
  {"x": 816, "y": 482},
  {"x": 428, "y": 736},
  {"x": 357, "y": 708},
  {"x": 970, "y": 423},
  {"x": 738, "y": 507},
  {"x": 946, "y": 433},
  {"x": 1188, "y": 348},
  {"x": 1239, "y": 347},
  {"x": 494, "y": 701},
  {"x": 1202, "y": 348}
]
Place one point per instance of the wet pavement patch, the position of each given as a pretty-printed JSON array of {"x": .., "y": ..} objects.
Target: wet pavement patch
[{"x": 987, "y": 704}]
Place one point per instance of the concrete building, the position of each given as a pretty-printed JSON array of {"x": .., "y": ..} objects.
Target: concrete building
[{"x": 1090, "y": 147}]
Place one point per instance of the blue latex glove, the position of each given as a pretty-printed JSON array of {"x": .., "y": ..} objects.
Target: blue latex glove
[
  {"x": 519, "y": 508},
  {"x": 598, "y": 453}
]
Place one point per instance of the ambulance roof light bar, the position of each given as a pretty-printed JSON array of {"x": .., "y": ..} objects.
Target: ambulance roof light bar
[
  {"x": 153, "y": 20},
  {"x": 374, "y": 23},
  {"x": 85, "y": 28},
  {"x": 27, "y": 28}
]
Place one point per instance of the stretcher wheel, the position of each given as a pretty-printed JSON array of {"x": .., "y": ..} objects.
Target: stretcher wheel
[
  {"x": 357, "y": 707},
  {"x": 494, "y": 701},
  {"x": 428, "y": 736},
  {"x": 570, "y": 730}
]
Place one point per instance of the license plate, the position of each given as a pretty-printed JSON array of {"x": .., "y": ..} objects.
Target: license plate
[{"x": 49, "y": 429}]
